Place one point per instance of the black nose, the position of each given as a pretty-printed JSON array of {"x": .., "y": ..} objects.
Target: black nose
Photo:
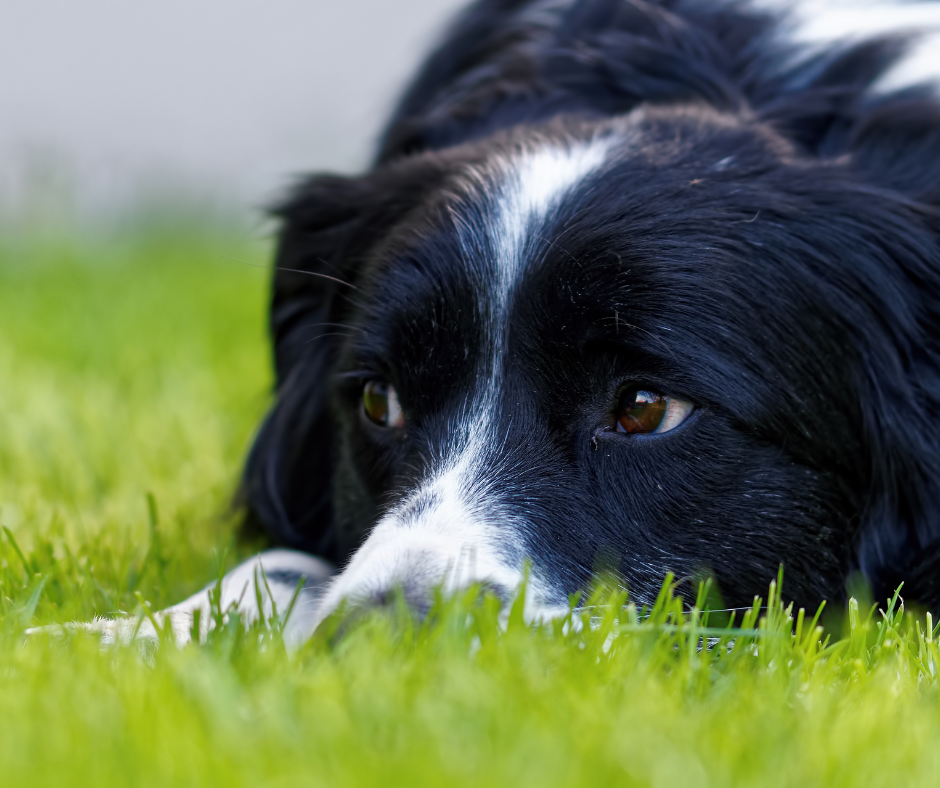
[
  {"x": 503, "y": 593},
  {"x": 418, "y": 597}
]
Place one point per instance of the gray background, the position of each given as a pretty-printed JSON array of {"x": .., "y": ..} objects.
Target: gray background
[{"x": 108, "y": 104}]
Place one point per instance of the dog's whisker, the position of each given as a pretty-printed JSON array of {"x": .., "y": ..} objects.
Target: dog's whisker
[
  {"x": 329, "y": 334},
  {"x": 322, "y": 276},
  {"x": 334, "y": 325},
  {"x": 301, "y": 271}
]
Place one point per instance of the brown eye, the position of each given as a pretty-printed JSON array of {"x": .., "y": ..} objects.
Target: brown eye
[
  {"x": 641, "y": 412},
  {"x": 380, "y": 401}
]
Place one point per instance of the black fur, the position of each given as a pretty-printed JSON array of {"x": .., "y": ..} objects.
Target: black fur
[{"x": 769, "y": 252}]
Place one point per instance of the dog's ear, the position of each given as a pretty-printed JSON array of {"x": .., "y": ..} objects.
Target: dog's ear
[
  {"x": 286, "y": 482},
  {"x": 329, "y": 224}
]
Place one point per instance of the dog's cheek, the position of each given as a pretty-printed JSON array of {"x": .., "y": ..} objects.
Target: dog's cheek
[
  {"x": 367, "y": 467},
  {"x": 724, "y": 506},
  {"x": 354, "y": 509},
  {"x": 356, "y": 488}
]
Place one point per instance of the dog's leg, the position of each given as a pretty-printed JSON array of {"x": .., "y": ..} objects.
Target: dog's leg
[{"x": 241, "y": 590}]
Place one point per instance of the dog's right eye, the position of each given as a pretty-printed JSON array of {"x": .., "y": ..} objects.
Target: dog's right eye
[
  {"x": 648, "y": 412},
  {"x": 380, "y": 402}
]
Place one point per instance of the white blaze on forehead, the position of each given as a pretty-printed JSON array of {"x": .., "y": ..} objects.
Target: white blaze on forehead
[
  {"x": 526, "y": 190},
  {"x": 529, "y": 187},
  {"x": 535, "y": 184}
]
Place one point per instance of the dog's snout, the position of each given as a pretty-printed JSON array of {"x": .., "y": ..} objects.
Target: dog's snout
[
  {"x": 414, "y": 561},
  {"x": 447, "y": 536},
  {"x": 417, "y": 595}
]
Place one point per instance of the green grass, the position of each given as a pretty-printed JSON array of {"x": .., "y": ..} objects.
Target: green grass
[{"x": 135, "y": 371}]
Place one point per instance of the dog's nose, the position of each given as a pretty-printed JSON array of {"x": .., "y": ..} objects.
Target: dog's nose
[
  {"x": 414, "y": 597},
  {"x": 419, "y": 599},
  {"x": 441, "y": 537}
]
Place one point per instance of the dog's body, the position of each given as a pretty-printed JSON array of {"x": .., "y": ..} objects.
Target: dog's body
[{"x": 631, "y": 284}]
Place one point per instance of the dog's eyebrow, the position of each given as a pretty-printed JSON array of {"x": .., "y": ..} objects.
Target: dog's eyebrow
[
  {"x": 314, "y": 273},
  {"x": 328, "y": 334},
  {"x": 335, "y": 325}
]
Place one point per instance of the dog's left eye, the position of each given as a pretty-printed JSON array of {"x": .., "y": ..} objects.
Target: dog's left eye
[
  {"x": 380, "y": 402},
  {"x": 641, "y": 412}
]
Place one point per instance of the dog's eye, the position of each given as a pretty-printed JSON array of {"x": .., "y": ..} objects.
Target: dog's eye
[
  {"x": 380, "y": 401},
  {"x": 641, "y": 412}
]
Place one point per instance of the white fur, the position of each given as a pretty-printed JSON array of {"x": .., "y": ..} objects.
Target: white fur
[
  {"x": 820, "y": 23},
  {"x": 239, "y": 593},
  {"x": 536, "y": 183}
]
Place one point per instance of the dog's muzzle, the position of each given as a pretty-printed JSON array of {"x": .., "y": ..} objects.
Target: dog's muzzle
[{"x": 435, "y": 541}]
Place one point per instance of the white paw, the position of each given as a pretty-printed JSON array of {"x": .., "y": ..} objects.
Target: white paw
[{"x": 127, "y": 629}]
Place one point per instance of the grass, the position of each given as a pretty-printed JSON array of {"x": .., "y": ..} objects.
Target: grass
[{"x": 131, "y": 376}]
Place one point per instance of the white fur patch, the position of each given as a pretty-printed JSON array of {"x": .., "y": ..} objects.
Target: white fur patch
[
  {"x": 270, "y": 578},
  {"x": 535, "y": 184},
  {"x": 820, "y": 23}
]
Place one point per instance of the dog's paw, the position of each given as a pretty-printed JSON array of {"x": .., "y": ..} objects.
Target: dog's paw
[{"x": 127, "y": 629}]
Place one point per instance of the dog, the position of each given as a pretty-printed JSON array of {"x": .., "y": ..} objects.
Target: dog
[{"x": 635, "y": 284}]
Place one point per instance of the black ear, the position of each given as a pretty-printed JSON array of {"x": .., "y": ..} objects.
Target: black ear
[
  {"x": 286, "y": 482},
  {"x": 329, "y": 225}
]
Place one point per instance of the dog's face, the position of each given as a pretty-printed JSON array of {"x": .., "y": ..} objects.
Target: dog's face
[{"x": 661, "y": 342}]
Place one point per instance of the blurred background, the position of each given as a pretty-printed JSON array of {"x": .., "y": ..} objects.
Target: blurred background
[{"x": 111, "y": 107}]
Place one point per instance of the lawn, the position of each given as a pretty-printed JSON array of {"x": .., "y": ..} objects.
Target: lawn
[{"x": 133, "y": 370}]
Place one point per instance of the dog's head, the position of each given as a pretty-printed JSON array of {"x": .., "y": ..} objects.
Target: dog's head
[{"x": 670, "y": 340}]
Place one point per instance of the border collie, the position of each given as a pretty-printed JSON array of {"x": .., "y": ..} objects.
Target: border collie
[{"x": 639, "y": 283}]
